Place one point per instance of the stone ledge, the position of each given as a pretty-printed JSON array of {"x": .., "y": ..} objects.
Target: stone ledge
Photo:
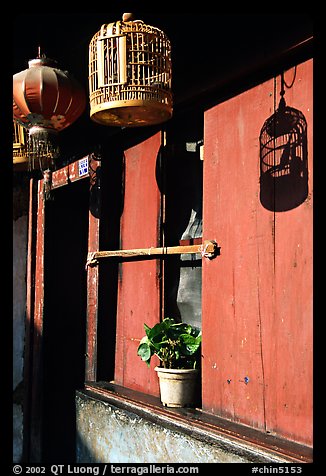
[{"x": 216, "y": 434}]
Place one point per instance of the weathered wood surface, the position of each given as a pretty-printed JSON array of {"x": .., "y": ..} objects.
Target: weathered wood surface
[
  {"x": 92, "y": 294},
  {"x": 257, "y": 297},
  {"x": 207, "y": 250},
  {"x": 139, "y": 297}
]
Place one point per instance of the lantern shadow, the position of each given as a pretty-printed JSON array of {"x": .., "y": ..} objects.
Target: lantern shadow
[{"x": 283, "y": 159}]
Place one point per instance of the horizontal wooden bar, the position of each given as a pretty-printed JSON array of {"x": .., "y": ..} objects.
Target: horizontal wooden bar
[{"x": 208, "y": 249}]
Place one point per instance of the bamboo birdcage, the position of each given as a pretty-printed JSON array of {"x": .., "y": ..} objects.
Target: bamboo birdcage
[
  {"x": 19, "y": 156},
  {"x": 130, "y": 75}
]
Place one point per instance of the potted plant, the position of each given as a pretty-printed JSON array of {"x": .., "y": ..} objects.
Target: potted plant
[{"x": 177, "y": 345}]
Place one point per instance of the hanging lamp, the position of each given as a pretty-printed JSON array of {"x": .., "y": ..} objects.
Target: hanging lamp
[
  {"x": 46, "y": 100},
  {"x": 130, "y": 74}
]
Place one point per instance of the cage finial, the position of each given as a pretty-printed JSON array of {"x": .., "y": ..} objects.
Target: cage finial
[{"x": 128, "y": 17}]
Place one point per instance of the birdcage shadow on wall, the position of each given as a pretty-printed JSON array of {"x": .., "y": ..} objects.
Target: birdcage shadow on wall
[
  {"x": 283, "y": 159},
  {"x": 130, "y": 75}
]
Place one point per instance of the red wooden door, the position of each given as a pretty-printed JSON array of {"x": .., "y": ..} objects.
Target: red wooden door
[
  {"x": 38, "y": 292},
  {"x": 257, "y": 295},
  {"x": 139, "y": 281}
]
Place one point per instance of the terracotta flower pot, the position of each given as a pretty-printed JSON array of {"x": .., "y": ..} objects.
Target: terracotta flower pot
[{"x": 178, "y": 387}]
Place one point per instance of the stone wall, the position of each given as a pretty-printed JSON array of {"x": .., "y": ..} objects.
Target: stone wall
[
  {"x": 20, "y": 223},
  {"x": 107, "y": 433}
]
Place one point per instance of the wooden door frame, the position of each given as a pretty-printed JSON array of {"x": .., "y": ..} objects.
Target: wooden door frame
[{"x": 86, "y": 167}]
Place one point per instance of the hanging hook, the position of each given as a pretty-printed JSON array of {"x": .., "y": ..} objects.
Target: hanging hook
[
  {"x": 294, "y": 76},
  {"x": 285, "y": 85}
]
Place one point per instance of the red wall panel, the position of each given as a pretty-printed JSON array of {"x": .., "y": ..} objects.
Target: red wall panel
[
  {"x": 257, "y": 295},
  {"x": 291, "y": 363},
  {"x": 139, "y": 285}
]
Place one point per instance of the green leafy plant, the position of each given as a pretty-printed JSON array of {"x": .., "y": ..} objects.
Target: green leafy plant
[{"x": 176, "y": 344}]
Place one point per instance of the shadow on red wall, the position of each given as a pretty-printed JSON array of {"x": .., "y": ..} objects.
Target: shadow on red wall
[{"x": 283, "y": 159}]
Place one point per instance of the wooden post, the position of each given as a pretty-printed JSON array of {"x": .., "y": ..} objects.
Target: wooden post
[
  {"x": 30, "y": 297},
  {"x": 37, "y": 338},
  {"x": 92, "y": 295}
]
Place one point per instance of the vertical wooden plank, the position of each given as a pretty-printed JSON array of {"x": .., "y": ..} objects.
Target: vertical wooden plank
[
  {"x": 37, "y": 377},
  {"x": 35, "y": 306},
  {"x": 257, "y": 295},
  {"x": 92, "y": 281},
  {"x": 291, "y": 372},
  {"x": 233, "y": 374},
  {"x": 139, "y": 281},
  {"x": 30, "y": 293}
]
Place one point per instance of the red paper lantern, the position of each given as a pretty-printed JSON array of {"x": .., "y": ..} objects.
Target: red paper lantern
[{"x": 46, "y": 100}]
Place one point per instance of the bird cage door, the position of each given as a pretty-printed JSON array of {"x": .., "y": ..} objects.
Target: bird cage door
[{"x": 111, "y": 59}]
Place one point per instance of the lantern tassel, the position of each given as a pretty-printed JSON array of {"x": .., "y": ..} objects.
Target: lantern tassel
[
  {"x": 42, "y": 148},
  {"x": 47, "y": 184}
]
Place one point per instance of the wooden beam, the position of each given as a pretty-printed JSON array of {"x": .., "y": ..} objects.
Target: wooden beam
[{"x": 208, "y": 249}]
